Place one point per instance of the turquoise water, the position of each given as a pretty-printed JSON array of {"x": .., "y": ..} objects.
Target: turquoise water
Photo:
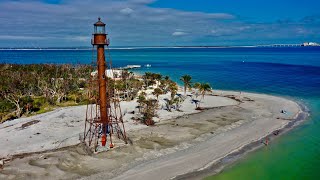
[
  {"x": 292, "y": 156},
  {"x": 289, "y": 72}
]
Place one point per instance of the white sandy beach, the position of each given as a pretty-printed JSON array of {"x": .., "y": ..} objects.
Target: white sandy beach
[
  {"x": 61, "y": 127},
  {"x": 175, "y": 146}
]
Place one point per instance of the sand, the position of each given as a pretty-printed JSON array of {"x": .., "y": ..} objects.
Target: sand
[{"x": 180, "y": 143}]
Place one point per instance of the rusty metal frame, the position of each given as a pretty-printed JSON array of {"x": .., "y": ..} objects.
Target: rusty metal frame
[{"x": 97, "y": 118}]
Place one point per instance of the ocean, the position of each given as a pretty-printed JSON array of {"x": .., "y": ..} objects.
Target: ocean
[{"x": 290, "y": 72}]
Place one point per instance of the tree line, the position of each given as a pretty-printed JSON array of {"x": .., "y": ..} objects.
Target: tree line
[
  {"x": 29, "y": 88},
  {"x": 37, "y": 88}
]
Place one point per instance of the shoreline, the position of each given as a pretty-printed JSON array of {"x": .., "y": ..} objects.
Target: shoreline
[
  {"x": 169, "y": 163},
  {"x": 185, "y": 144},
  {"x": 240, "y": 153}
]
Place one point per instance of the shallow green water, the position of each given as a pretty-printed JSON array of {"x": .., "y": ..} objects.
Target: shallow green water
[{"x": 296, "y": 155}]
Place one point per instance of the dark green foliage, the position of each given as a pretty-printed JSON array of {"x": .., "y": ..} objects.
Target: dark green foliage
[
  {"x": 151, "y": 78},
  {"x": 27, "y": 88},
  {"x": 148, "y": 108},
  {"x": 186, "y": 79},
  {"x": 5, "y": 106}
]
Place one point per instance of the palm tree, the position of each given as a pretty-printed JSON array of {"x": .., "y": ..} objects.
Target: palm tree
[
  {"x": 135, "y": 85},
  {"x": 146, "y": 79},
  {"x": 203, "y": 88},
  {"x": 167, "y": 78},
  {"x": 157, "y": 77},
  {"x": 141, "y": 100},
  {"x": 197, "y": 87},
  {"x": 125, "y": 74},
  {"x": 186, "y": 79},
  {"x": 157, "y": 92},
  {"x": 162, "y": 84},
  {"x": 120, "y": 87},
  {"x": 173, "y": 88},
  {"x": 150, "y": 110}
]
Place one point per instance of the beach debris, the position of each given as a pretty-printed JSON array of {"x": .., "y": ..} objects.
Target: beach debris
[
  {"x": 234, "y": 98},
  {"x": 265, "y": 141},
  {"x": 68, "y": 125},
  {"x": 247, "y": 99},
  {"x": 199, "y": 108},
  {"x": 7, "y": 126},
  {"x": 149, "y": 122},
  {"x": 197, "y": 103},
  {"x": 1, "y": 164},
  {"x": 29, "y": 123}
]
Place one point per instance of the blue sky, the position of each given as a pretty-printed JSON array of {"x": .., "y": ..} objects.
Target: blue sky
[{"x": 68, "y": 23}]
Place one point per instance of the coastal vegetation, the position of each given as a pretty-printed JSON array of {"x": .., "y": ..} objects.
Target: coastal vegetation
[
  {"x": 37, "y": 88},
  {"x": 204, "y": 88},
  {"x": 147, "y": 108},
  {"x": 186, "y": 79}
]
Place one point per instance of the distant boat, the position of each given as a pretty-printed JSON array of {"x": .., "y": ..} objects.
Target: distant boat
[
  {"x": 147, "y": 65},
  {"x": 132, "y": 66}
]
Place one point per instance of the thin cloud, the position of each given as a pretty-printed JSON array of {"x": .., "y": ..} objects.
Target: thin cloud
[
  {"x": 69, "y": 23},
  {"x": 8, "y": 37},
  {"x": 79, "y": 38},
  {"x": 126, "y": 11}
]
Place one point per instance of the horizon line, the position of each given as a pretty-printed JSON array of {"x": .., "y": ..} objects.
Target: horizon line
[{"x": 145, "y": 47}]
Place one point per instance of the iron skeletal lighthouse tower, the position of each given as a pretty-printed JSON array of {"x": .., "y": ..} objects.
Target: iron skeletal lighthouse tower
[
  {"x": 100, "y": 40},
  {"x": 103, "y": 115}
]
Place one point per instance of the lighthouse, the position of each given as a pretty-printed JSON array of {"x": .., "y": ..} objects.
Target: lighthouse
[
  {"x": 103, "y": 115},
  {"x": 100, "y": 40}
]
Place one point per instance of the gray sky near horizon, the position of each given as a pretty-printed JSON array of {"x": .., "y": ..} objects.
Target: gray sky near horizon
[{"x": 67, "y": 23}]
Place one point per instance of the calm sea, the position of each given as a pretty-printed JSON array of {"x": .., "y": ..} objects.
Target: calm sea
[{"x": 289, "y": 72}]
